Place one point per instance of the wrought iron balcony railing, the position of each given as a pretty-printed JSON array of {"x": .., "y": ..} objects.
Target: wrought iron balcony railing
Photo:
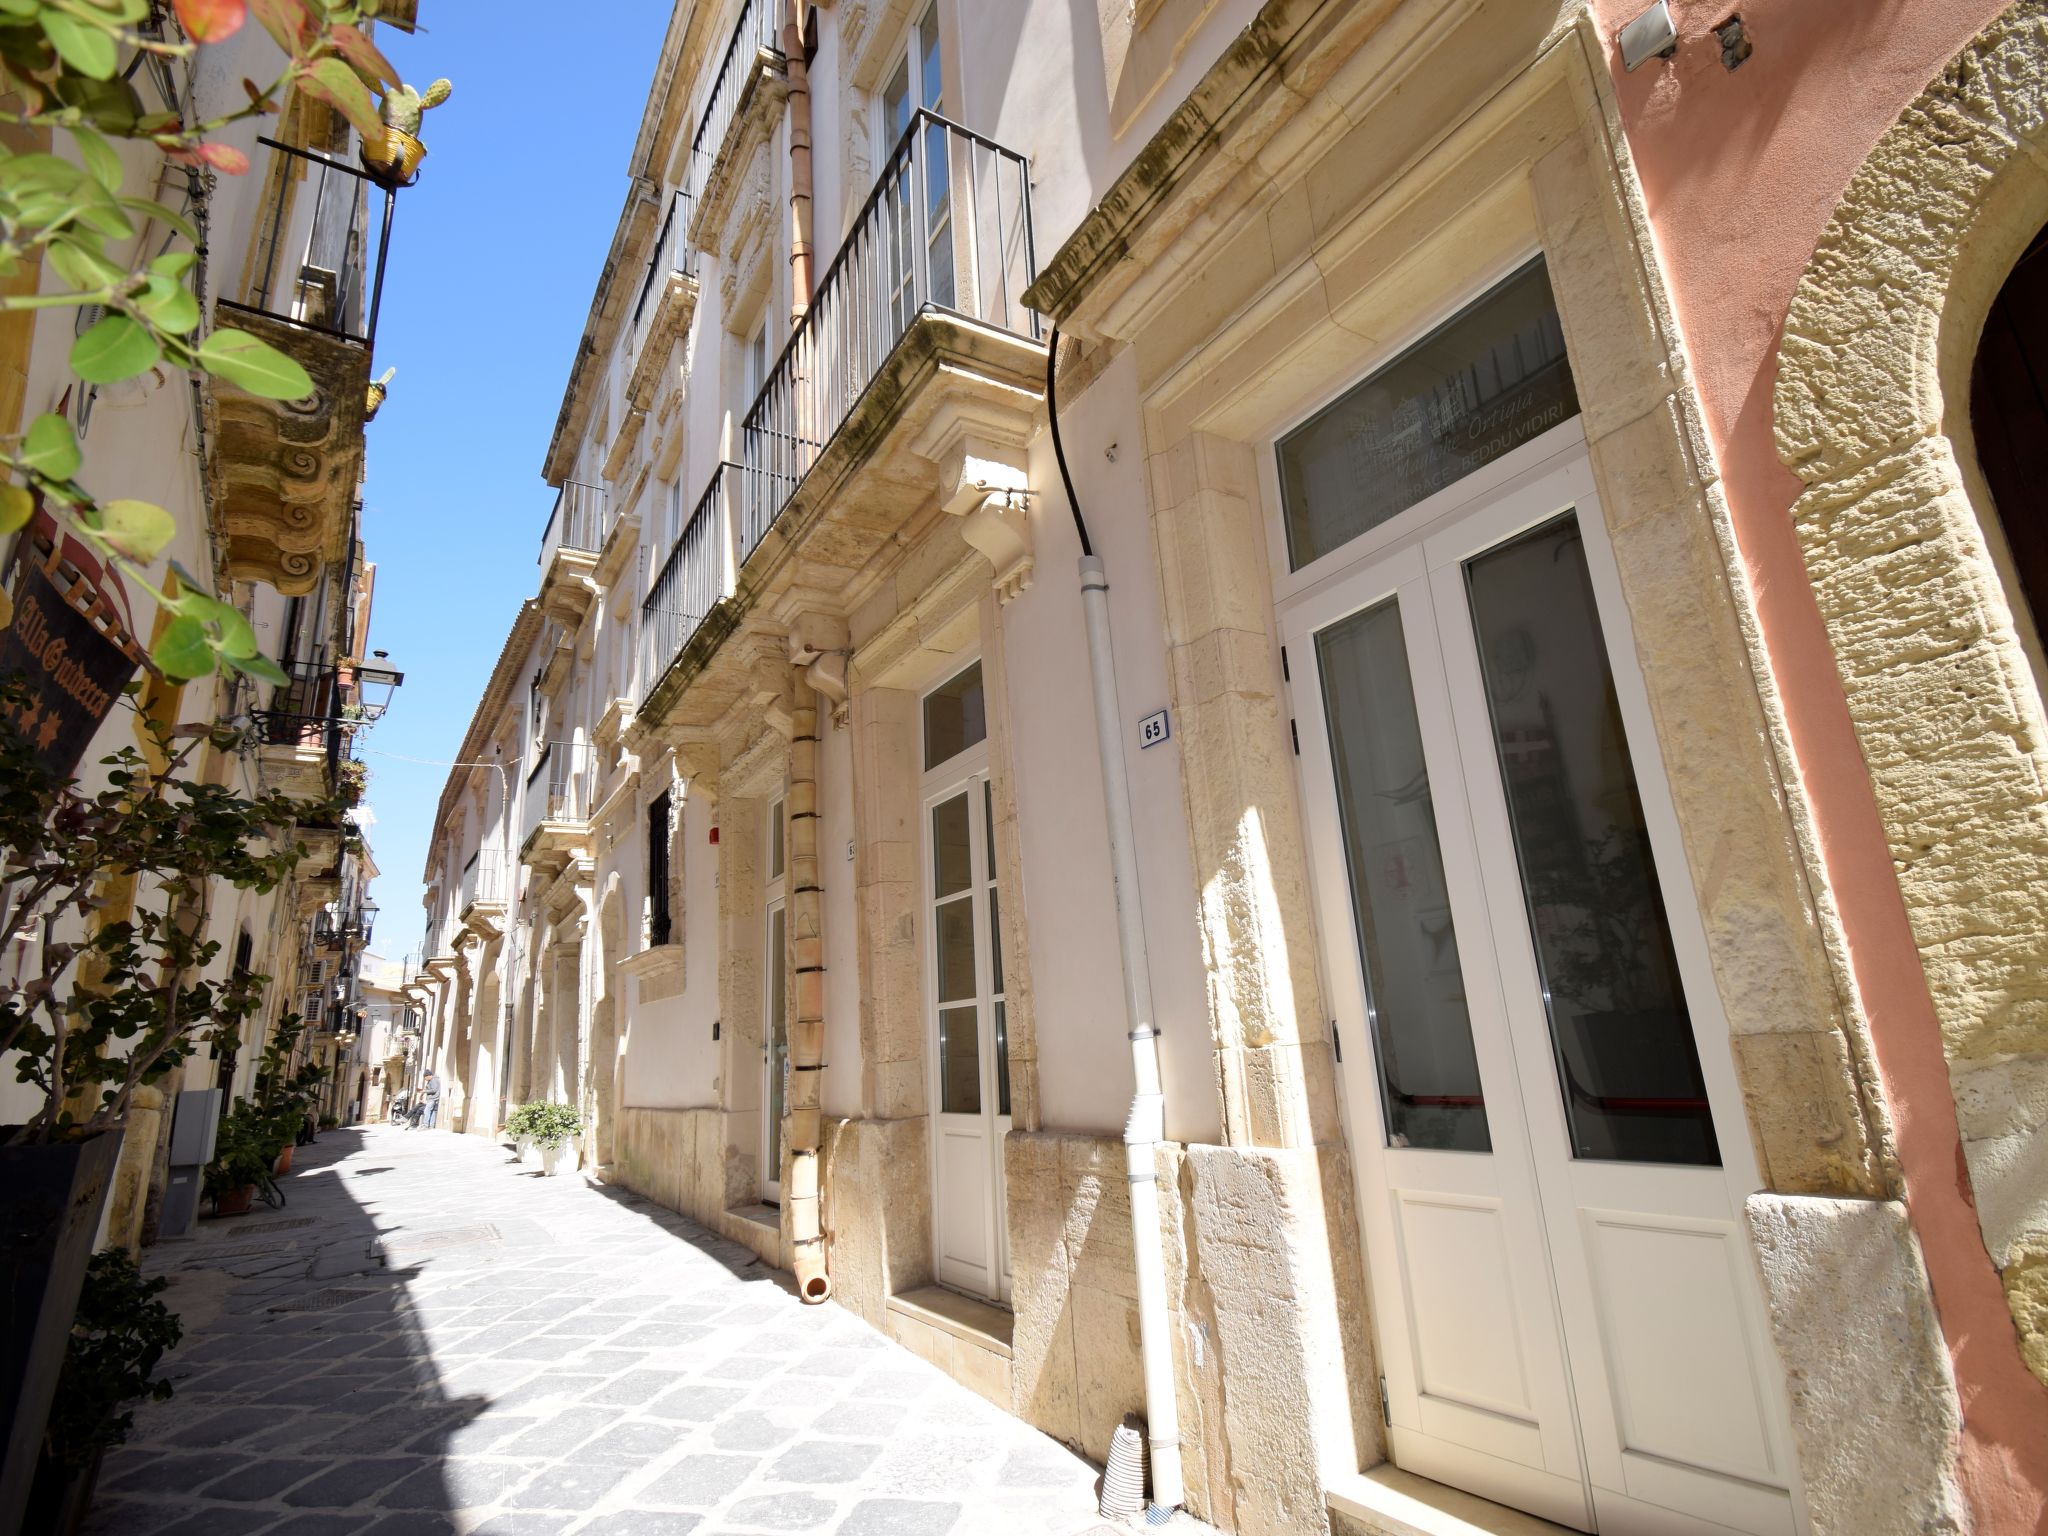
[
  {"x": 483, "y": 879},
  {"x": 558, "y": 786},
  {"x": 695, "y": 576},
  {"x": 579, "y": 522},
  {"x": 320, "y": 255},
  {"x": 757, "y": 32},
  {"x": 672, "y": 255},
  {"x": 304, "y": 713},
  {"x": 947, "y": 227}
]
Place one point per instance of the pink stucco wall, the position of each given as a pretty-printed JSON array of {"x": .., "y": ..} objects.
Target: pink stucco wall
[{"x": 1742, "y": 171}]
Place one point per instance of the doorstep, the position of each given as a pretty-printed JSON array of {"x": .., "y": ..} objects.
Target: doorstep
[
  {"x": 967, "y": 1339},
  {"x": 1389, "y": 1502},
  {"x": 758, "y": 1227}
]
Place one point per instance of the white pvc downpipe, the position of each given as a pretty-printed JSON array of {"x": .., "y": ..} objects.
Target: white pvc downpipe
[{"x": 1146, "y": 1126}]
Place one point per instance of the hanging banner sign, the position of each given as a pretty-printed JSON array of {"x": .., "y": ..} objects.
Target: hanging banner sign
[{"x": 68, "y": 642}]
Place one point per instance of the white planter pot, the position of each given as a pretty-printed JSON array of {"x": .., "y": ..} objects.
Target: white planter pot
[
  {"x": 522, "y": 1147},
  {"x": 554, "y": 1159}
]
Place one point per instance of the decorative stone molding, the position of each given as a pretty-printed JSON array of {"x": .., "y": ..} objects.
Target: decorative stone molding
[
  {"x": 1871, "y": 407},
  {"x": 746, "y": 239},
  {"x": 752, "y": 126},
  {"x": 282, "y": 475}
]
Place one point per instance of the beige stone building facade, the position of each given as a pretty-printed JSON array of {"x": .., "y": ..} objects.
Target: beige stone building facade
[{"x": 1571, "y": 575}]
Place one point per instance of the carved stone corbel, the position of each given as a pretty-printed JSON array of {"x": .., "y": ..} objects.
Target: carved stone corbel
[{"x": 982, "y": 481}]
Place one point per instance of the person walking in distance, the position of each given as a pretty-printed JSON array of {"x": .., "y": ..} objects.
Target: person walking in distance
[{"x": 430, "y": 1100}]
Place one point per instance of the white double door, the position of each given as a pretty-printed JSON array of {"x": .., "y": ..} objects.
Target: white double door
[
  {"x": 969, "y": 1041},
  {"x": 1550, "y": 1145}
]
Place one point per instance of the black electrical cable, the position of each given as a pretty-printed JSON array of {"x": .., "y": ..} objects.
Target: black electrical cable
[{"x": 1052, "y": 409}]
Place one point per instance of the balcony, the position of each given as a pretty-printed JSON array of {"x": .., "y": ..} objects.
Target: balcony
[
  {"x": 694, "y": 579},
  {"x": 554, "y": 828},
  {"x": 569, "y": 550},
  {"x": 916, "y": 372},
  {"x": 667, "y": 300},
  {"x": 283, "y": 474},
  {"x": 485, "y": 888},
  {"x": 749, "y": 89},
  {"x": 298, "y": 735}
]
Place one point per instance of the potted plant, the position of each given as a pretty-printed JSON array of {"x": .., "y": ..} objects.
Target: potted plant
[
  {"x": 243, "y": 1157},
  {"x": 555, "y": 1126},
  {"x": 105, "y": 897},
  {"x": 121, "y": 1333},
  {"x": 519, "y": 1126},
  {"x": 392, "y": 163}
]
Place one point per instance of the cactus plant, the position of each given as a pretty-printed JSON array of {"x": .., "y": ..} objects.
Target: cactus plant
[{"x": 402, "y": 105}]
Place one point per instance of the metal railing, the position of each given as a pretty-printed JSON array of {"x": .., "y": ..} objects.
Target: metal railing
[
  {"x": 558, "y": 786},
  {"x": 483, "y": 879},
  {"x": 758, "y": 32},
  {"x": 672, "y": 254},
  {"x": 948, "y": 226},
  {"x": 304, "y": 712},
  {"x": 692, "y": 580},
  {"x": 320, "y": 255},
  {"x": 580, "y": 521}
]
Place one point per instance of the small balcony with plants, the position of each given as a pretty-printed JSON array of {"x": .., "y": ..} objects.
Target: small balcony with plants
[
  {"x": 299, "y": 732},
  {"x": 555, "y": 821},
  {"x": 914, "y": 375},
  {"x": 284, "y": 473},
  {"x": 747, "y": 92},
  {"x": 569, "y": 551}
]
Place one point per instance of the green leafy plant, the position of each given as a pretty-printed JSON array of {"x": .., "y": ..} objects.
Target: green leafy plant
[
  {"x": 119, "y": 1337},
  {"x": 521, "y": 1121},
  {"x": 72, "y": 65},
  {"x": 94, "y": 1009},
  {"x": 553, "y": 1125},
  {"x": 244, "y": 1148}
]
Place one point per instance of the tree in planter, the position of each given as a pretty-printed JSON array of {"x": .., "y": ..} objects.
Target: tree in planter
[
  {"x": 95, "y": 1009},
  {"x": 69, "y": 66},
  {"x": 97, "y": 1014}
]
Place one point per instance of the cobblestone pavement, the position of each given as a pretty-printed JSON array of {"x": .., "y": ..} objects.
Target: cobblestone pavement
[{"x": 431, "y": 1339}]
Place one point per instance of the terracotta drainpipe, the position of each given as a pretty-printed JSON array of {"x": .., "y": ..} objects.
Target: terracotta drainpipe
[
  {"x": 807, "y": 1024},
  {"x": 799, "y": 75}
]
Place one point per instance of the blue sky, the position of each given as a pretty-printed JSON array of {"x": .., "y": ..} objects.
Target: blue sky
[{"x": 494, "y": 256}]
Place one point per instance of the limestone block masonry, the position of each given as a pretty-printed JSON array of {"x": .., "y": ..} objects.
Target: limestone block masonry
[{"x": 1871, "y": 414}]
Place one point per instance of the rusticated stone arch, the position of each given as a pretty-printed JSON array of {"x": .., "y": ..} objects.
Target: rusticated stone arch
[{"x": 1872, "y": 414}]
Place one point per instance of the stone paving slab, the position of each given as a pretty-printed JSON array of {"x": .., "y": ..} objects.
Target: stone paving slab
[{"x": 432, "y": 1341}]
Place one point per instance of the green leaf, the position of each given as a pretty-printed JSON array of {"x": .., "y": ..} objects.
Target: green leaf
[
  {"x": 182, "y": 651},
  {"x": 50, "y": 450},
  {"x": 138, "y": 529},
  {"x": 115, "y": 349},
  {"x": 257, "y": 665},
  {"x": 101, "y": 161},
  {"x": 253, "y": 364},
  {"x": 173, "y": 264},
  {"x": 86, "y": 48},
  {"x": 169, "y": 307},
  {"x": 333, "y": 81},
  {"x": 112, "y": 106},
  {"x": 163, "y": 215},
  {"x": 80, "y": 263},
  {"x": 16, "y": 507}
]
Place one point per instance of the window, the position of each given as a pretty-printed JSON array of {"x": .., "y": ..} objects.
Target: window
[
  {"x": 775, "y": 851},
  {"x": 955, "y": 717},
  {"x": 658, "y": 834},
  {"x": 919, "y": 225},
  {"x": 754, "y": 372},
  {"x": 1486, "y": 381}
]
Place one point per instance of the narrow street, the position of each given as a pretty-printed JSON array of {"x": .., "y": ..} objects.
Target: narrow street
[{"x": 431, "y": 1338}]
